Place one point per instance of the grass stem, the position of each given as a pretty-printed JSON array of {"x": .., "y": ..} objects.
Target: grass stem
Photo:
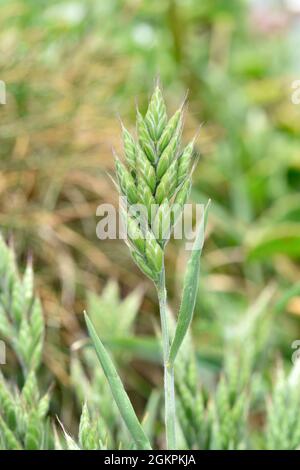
[{"x": 170, "y": 411}]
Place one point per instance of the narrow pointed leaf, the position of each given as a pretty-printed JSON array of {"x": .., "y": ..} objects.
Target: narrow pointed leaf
[
  {"x": 190, "y": 288},
  {"x": 118, "y": 391}
]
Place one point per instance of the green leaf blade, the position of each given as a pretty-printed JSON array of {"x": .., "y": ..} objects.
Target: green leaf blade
[
  {"x": 190, "y": 289},
  {"x": 118, "y": 391}
]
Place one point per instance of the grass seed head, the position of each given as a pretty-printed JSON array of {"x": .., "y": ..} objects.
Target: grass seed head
[{"x": 156, "y": 178}]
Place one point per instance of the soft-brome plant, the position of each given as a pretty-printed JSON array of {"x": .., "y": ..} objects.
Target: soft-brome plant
[
  {"x": 23, "y": 411},
  {"x": 156, "y": 176}
]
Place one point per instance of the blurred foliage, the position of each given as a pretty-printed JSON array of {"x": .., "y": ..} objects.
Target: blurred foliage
[
  {"x": 214, "y": 411},
  {"x": 70, "y": 68}
]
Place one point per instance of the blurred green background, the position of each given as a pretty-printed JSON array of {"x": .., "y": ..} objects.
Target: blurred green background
[{"x": 71, "y": 69}]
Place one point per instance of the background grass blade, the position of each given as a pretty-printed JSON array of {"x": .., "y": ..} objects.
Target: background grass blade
[
  {"x": 118, "y": 390},
  {"x": 190, "y": 289},
  {"x": 275, "y": 239}
]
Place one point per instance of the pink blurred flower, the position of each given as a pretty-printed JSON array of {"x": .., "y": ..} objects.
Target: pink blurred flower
[{"x": 268, "y": 21}]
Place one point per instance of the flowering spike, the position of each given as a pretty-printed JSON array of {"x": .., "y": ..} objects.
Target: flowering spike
[{"x": 154, "y": 174}]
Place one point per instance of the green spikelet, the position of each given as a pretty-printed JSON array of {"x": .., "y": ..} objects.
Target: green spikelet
[
  {"x": 135, "y": 234},
  {"x": 22, "y": 413},
  {"x": 34, "y": 434},
  {"x": 88, "y": 438},
  {"x": 156, "y": 117},
  {"x": 6, "y": 327},
  {"x": 30, "y": 391},
  {"x": 146, "y": 198},
  {"x": 184, "y": 163},
  {"x": 17, "y": 301},
  {"x": 11, "y": 276},
  {"x": 129, "y": 148},
  {"x": 43, "y": 406},
  {"x": 162, "y": 222},
  {"x": 10, "y": 441},
  {"x": 126, "y": 182},
  {"x": 167, "y": 185},
  {"x": 23, "y": 346},
  {"x": 180, "y": 200},
  {"x": 154, "y": 253},
  {"x": 144, "y": 267},
  {"x": 146, "y": 171},
  {"x": 20, "y": 321},
  {"x": 7, "y": 405},
  {"x": 173, "y": 128},
  {"x": 168, "y": 155},
  {"x": 36, "y": 321},
  {"x": 147, "y": 248},
  {"x": 145, "y": 140},
  {"x": 27, "y": 284},
  {"x": 282, "y": 424},
  {"x": 36, "y": 332}
]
